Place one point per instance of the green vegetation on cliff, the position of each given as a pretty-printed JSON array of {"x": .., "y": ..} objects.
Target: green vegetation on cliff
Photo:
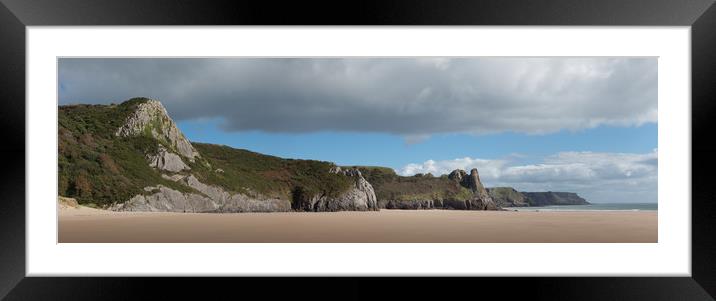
[
  {"x": 421, "y": 187},
  {"x": 94, "y": 165},
  {"x": 97, "y": 167},
  {"x": 249, "y": 172},
  {"x": 508, "y": 197},
  {"x": 104, "y": 154},
  {"x": 554, "y": 198},
  {"x": 390, "y": 186}
]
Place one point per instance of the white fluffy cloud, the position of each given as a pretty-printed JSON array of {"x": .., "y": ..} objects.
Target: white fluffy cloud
[
  {"x": 489, "y": 169},
  {"x": 413, "y": 97},
  {"x": 600, "y": 177}
]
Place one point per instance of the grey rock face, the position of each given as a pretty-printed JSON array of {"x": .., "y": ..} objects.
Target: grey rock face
[
  {"x": 456, "y": 204},
  {"x": 362, "y": 194},
  {"x": 173, "y": 177},
  {"x": 165, "y": 160},
  {"x": 481, "y": 204},
  {"x": 481, "y": 199},
  {"x": 364, "y": 191},
  {"x": 412, "y": 204},
  {"x": 473, "y": 182},
  {"x": 457, "y": 175},
  {"x": 360, "y": 197},
  {"x": 64, "y": 202},
  {"x": 151, "y": 117},
  {"x": 349, "y": 201},
  {"x": 432, "y": 204},
  {"x": 213, "y": 192},
  {"x": 210, "y": 199},
  {"x": 243, "y": 203},
  {"x": 167, "y": 200}
]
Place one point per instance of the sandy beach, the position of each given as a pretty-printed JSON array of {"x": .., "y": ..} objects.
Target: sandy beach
[{"x": 87, "y": 225}]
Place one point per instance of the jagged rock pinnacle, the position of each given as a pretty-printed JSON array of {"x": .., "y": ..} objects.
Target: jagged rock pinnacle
[{"x": 151, "y": 118}]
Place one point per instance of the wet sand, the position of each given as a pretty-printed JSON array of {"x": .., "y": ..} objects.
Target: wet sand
[{"x": 410, "y": 226}]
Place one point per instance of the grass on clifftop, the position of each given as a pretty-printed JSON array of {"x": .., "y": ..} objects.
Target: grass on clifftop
[
  {"x": 98, "y": 168},
  {"x": 390, "y": 186},
  {"x": 249, "y": 172},
  {"x": 507, "y": 197}
]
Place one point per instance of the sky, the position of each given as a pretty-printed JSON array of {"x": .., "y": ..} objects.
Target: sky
[{"x": 585, "y": 125}]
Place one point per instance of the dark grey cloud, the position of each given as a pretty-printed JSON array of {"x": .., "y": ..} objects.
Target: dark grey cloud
[{"x": 413, "y": 97}]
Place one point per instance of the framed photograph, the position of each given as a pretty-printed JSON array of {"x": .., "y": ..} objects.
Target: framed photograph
[{"x": 566, "y": 143}]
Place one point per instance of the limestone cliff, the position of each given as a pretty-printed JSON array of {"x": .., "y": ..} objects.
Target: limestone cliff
[
  {"x": 481, "y": 199},
  {"x": 360, "y": 196},
  {"x": 457, "y": 190},
  {"x": 208, "y": 198},
  {"x": 410, "y": 204},
  {"x": 164, "y": 159},
  {"x": 215, "y": 199},
  {"x": 132, "y": 157},
  {"x": 151, "y": 118}
]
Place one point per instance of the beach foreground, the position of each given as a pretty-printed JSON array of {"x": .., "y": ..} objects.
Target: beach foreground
[{"x": 86, "y": 225}]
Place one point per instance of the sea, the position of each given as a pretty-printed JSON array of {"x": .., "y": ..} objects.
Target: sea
[{"x": 593, "y": 207}]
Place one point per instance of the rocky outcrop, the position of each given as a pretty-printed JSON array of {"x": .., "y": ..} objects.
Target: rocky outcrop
[
  {"x": 480, "y": 200},
  {"x": 471, "y": 181},
  {"x": 350, "y": 201},
  {"x": 469, "y": 204},
  {"x": 507, "y": 197},
  {"x": 207, "y": 199},
  {"x": 457, "y": 175},
  {"x": 478, "y": 197},
  {"x": 458, "y": 204},
  {"x": 66, "y": 203},
  {"x": 151, "y": 118},
  {"x": 450, "y": 203},
  {"x": 164, "y": 199},
  {"x": 363, "y": 191},
  {"x": 554, "y": 198},
  {"x": 412, "y": 204},
  {"x": 359, "y": 197},
  {"x": 165, "y": 160}
]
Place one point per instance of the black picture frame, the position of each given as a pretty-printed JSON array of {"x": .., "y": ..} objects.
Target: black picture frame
[{"x": 15, "y": 15}]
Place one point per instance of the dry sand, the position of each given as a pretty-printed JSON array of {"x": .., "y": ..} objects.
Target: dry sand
[{"x": 431, "y": 226}]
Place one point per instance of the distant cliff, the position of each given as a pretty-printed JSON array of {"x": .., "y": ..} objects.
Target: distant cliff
[
  {"x": 554, "y": 198},
  {"x": 457, "y": 190},
  {"x": 508, "y": 197}
]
